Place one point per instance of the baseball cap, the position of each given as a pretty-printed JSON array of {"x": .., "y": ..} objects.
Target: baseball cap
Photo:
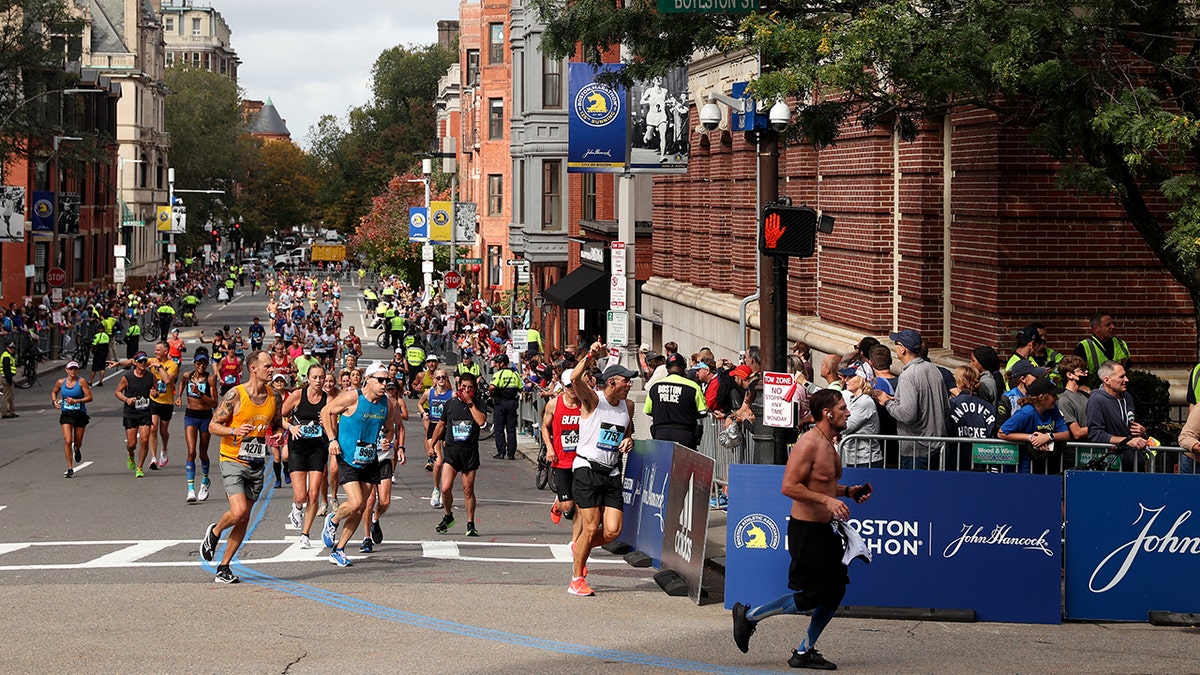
[
  {"x": 617, "y": 370},
  {"x": 376, "y": 369},
  {"x": 1028, "y": 333},
  {"x": 1043, "y": 385},
  {"x": 467, "y": 351},
  {"x": 399, "y": 350},
  {"x": 141, "y": 356},
  {"x": 565, "y": 379},
  {"x": 742, "y": 371},
  {"x": 863, "y": 370},
  {"x": 199, "y": 357},
  {"x": 72, "y": 364},
  {"x": 1025, "y": 367},
  {"x": 279, "y": 376},
  {"x": 907, "y": 338},
  {"x": 677, "y": 361},
  {"x": 701, "y": 364}
]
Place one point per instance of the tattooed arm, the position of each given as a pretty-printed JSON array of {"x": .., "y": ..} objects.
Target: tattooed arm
[{"x": 223, "y": 416}]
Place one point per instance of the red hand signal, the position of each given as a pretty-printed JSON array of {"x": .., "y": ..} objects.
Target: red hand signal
[{"x": 773, "y": 230}]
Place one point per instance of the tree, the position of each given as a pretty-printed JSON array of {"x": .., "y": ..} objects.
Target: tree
[
  {"x": 279, "y": 187},
  {"x": 38, "y": 38},
  {"x": 382, "y": 235},
  {"x": 203, "y": 117},
  {"x": 1108, "y": 87}
]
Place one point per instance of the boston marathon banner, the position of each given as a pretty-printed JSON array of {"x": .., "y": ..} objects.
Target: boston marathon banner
[
  {"x": 597, "y": 130},
  {"x": 1132, "y": 545},
  {"x": 647, "y": 476},
  {"x": 985, "y": 542},
  {"x": 658, "y": 139}
]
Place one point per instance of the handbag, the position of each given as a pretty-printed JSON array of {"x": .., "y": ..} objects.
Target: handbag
[{"x": 730, "y": 437}]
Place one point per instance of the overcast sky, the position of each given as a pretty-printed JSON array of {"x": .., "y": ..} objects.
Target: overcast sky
[{"x": 314, "y": 57}]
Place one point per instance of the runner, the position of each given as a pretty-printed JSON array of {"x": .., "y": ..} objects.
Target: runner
[
  {"x": 229, "y": 370},
  {"x": 247, "y": 417},
  {"x": 257, "y": 332},
  {"x": 199, "y": 387},
  {"x": 459, "y": 429},
  {"x": 71, "y": 395},
  {"x": 391, "y": 455},
  {"x": 134, "y": 391},
  {"x": 306, "y": 450},
  {"x": 605, "y": 433},
  {"x": 162, "y": 402},
  {"x": 432, "y": 403},
  {"x": 560, "y": 433},
  {"x": 353, "y": 420}
]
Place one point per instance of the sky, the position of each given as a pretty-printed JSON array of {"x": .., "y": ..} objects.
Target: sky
[{"x": 314, "y": 57}]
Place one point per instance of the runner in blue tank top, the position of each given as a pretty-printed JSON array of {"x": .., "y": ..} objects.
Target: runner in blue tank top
[
  {"x": 353, "y": 421},
  {"x": 71, "y": 395}
]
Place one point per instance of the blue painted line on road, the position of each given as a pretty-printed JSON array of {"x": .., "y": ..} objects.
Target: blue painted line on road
[{"x": 256, "y": 515}]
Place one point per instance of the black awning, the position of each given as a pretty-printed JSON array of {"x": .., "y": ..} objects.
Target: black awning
[{"x": 584, "y": 288}]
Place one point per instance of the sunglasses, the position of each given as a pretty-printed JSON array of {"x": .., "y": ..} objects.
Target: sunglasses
[{"x": 380, "y": 380}]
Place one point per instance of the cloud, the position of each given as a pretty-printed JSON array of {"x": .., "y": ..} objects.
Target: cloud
[{"x": 314, "y": 57}]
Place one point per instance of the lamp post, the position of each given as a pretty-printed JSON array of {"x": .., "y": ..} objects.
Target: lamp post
[{"x": 121, "y": 238}]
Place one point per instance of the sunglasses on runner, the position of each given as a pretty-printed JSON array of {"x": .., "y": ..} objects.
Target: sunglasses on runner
[{"x": 380, "y": 380}]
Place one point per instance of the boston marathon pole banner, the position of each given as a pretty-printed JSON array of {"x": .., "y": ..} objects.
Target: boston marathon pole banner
[
  {"x": 418, "y": 223},
  {"x": 1132, "y": 545},
  {"x": 939, "y": 540},
  {"x": 43, "y": 211},
  {"x": 658, "y": 113},
  {"x": 647, "y": 475},
  {"x": 597, "y": 128}
]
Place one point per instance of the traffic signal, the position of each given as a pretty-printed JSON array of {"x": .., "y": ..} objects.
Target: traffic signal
[
  {"x": 216, "y": 234},
  {"x": 237, "y": 229},
  {"x": 788, "y": 231}
]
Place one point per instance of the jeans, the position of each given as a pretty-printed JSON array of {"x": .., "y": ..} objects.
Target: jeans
[
  {"x": 1187, "y": 465},
  {"x": 504, "y": 415}
]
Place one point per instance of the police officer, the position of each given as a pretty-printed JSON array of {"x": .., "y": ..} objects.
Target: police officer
[
  {"x": 100, "y": 344},
  {"x": 467, "y": 365},
  {"x": 8, "y": 368},
  {"x": 675, "y": 404},
  {"x": 166, "y": 315},
  {"x": 414, "y": 358},
  {"x": 133, "y": 338},
  {"x": 506, "y": 387}
]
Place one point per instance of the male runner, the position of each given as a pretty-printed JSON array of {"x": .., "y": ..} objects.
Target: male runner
[
  {"x": 134, "y": 391},
  {"x": 459, "y": 429},
  {"x": 817, "y": 574},
  {"x": 433, "y": 401},
  {"x": 605, "y": 433},
  {"x": 353, "y": 421},
  {"x": 162, "y": 402},
  {"x": 560, "y": 433},
  {"x": 249, "y": 416}
]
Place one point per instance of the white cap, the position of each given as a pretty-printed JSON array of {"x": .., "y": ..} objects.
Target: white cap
[
  {"x": 376, "y": 369},
  {"x": 399, "y": 350},
  {"x": 566, "y": 378}
]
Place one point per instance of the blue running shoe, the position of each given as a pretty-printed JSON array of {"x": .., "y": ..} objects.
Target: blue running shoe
[
  {"x": 338, "y": 557},
  {"x": 329, "y": 531}
]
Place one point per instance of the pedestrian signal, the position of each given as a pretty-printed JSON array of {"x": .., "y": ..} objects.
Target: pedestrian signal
[{"x": 788, "y": 231}]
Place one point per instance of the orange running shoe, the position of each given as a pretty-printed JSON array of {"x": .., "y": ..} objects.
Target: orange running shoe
[{"x": 579, "y": 586}]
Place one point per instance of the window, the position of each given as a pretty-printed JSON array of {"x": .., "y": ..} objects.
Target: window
[
  {"x": 521, "y": 192},
  {"x": 472, "y": 68},
  {"x": 195, "y": 26},
  {"x": 495, "y": 194},
  {"x": 495, "y": 265},
  {"x": 495, "y": 43},
  {"x": 169, "y": 24},
  {"x": 495, "y": 119},
  {"x": 195, "y": 59},
  {"x": 551, "y": 195},
  {"x": 170, "y": 58},
  {"x": 589, "y": 196},
  {"x": 551, "y": 82}
]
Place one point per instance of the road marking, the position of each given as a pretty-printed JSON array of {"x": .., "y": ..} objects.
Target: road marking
[
  {"x": 129, "y": 554},
  {"x": 3, "y": 507},
  {"x": 440, "y": 549},
  {"x": 82, "y": 465}
]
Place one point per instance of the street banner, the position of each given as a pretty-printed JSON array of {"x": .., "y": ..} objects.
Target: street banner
[
  {"x": 598, "y": 122},
  {"x": 658, "y": 120},
  {"x": 644, "y": 489},
  {"x": 179, "y": 219},
  {"x": 1132, "y": 545},
  {"x": 162, "y": 218},
  {"x": 464, "y": 223},
  {"x": 12, "y": 213},
  {"x": 940, "y": 540},
  {"x": 686, "y": 534},
  {"x": 418, "y": 223},
  {"x": 68, "y": 212},
  {"x": 43, "y": 211},
  {"x": 441, "y": 219}
]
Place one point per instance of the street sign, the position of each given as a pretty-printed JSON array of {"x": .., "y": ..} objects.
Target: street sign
[
  {"x": 516, "y": 262},
  {"x": 777, "y": 401},
  {"x": 56, "y": 277},
  {"x": 452, "y": 279},
  {"x": 171, "y": 248},
  {"x": 618, "y": 328},
  {"x": 31, "y": 271},
  {"x": 616, "y": 295},
  {"x": 56, "y": 295},
  {"x": 520, "y": 339},
  {"x": 119, "y": 274},
  {"x": 470, "y": 261},
  {"x": 426, "y": 251},
  {"x": 707, "y": 6},
  {"x": 618, "y": 258},
  {"x": 427, "y": 267},
  {"x": 450, "y": 295},
  {"x": 119, "y": 251}
]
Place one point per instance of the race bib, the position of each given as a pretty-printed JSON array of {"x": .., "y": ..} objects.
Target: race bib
[
  {"x": 230, "y": 379},
  {"x": 611, "y": 436},
  {"x": 570, "y": 440},
  {"x": 252, "y": 450},
  {"x": 461, "y": 431},
  {"x": 70, "y": 406},
  {"x": 364, "y": 454},
  {"x": 310, "y": 430},
  {"x": 161, "y": 386},
  {"x": 141, "y": 403},
  {"x": 435, "y": 411}
]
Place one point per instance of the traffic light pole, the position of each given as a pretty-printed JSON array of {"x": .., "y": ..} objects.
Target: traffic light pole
[{"x": 772, "y": 284}]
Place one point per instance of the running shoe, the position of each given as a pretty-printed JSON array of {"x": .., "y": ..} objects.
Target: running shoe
[
  {"x": 446, "y": 524},
  {"x": 555, "y": 514},
  {"x": 154, "y": 465},
  {"x": 571, "y": 548},
  {"x": 304, "y": 542},
  {"x": 743, "y": 627},
  {"x": 191, "y": 498},
  {"x": 226, "y": 576},
  {"x": 435, "y": 498},
  {"x": 324, "y": 509},
  {"x": 163, "y": 459},
  {"x": 810, "y": 659},
  {"x": 69, "y": 473},
  {"x": 429, "y": 463},
  {"x": 278, "y": 483},
  {"x": 579, "y": 586},
  {"x": 287, "y": 478},
  {"x": 203, "y": 494},
  {"x": 329, "y": 531},
  {"x": 367, "y": 546},
  {"x": 295, "y": 517},
  {"x": 77, "y": 454},
  {"x": 471, "y": 531},
  {"x": 377, "y": 532},
  {"x": 208, "y": 545},
  {"x": 338, "y": 557},
  {"x": 138, "y": 473},
  {"x": 129, "y": 463}
]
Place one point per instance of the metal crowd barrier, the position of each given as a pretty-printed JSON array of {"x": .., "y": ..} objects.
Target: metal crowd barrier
[{"x": 530, "y": 408}]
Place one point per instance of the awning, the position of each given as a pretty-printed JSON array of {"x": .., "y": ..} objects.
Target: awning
[{"x": 584, "y": 288}]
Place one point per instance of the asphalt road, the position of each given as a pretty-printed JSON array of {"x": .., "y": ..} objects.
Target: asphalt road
[{"x": 101, "y": 573}]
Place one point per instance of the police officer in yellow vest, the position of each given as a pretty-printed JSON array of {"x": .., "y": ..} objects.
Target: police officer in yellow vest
[
  {"x": 395, "y": 327},
  {"x": 133, "y": 339},
  {"x": 506, "y": 387},
  {"x": 8, "y": 368},
  {"x": 1103, "y": 344},
  {"x": 370, "y": 297},
  {"x": 100, "y": 345},
  {"x": 166, "y": 315}
]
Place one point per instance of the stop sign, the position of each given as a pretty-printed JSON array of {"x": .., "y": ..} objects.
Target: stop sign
[
  {"x": 452, "y": 279},
  {"x": 56, "y": 277}
]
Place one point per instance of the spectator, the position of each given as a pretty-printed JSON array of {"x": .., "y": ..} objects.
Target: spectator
[
  {"x": 1037, "y": 425},
  {"x": 970, "y": 417},
  {"x": 1189, "y": 440},
  {"x": 675, "y": 405},
  {"x": 991, "y": 379},
  {"x": 1111, "y": 414},
  {"x": 885, "y": 381},
  {"x": 804, "y": 353},
  {"x": 864, "y": 419},
  {"x": 921, "y": 407},
  {"x": 1023, "y": 373},
  {"x": 1103, "y": 344},
  {"x": 1027, "y": 342},
  {"x": 1073, "y": 401},
  {"x": 1043, "y": 354},
  {"x": 830, "y": 365}
]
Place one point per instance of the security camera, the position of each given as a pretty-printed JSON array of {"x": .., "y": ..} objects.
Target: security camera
[
  {"x": 710, "y": 116},
  {"x": 780, "y": 116}
]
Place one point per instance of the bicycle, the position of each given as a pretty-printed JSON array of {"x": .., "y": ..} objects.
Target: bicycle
[
  {"x": 28, "y": 365},
  {"x": 542, "y": 477}
]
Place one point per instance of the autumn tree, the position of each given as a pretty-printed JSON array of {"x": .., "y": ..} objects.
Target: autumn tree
[
  {"x": 279, "y": 187},
  {"x": 382, "y": 235}
]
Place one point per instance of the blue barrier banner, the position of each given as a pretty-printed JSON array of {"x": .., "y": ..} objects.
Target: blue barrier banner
[
  {"x": 647, "y": 474},
  {"x": 1130, "y": 546},
  {"x": 961, "y": 540}
]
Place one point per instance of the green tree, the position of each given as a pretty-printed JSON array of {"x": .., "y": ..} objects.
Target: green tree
[
  {"x": 203, "y": 117},
  {"x": 279, "y": 186},
  {"x": 1108, "y": 87}
]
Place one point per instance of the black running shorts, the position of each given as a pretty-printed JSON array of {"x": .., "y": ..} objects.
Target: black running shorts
[
  {"x": 816, "y": 576},
  {"x": 593, "y": 490}
]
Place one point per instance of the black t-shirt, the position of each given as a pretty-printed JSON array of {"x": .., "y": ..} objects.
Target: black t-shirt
[{"x": 461, "y": 428}]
